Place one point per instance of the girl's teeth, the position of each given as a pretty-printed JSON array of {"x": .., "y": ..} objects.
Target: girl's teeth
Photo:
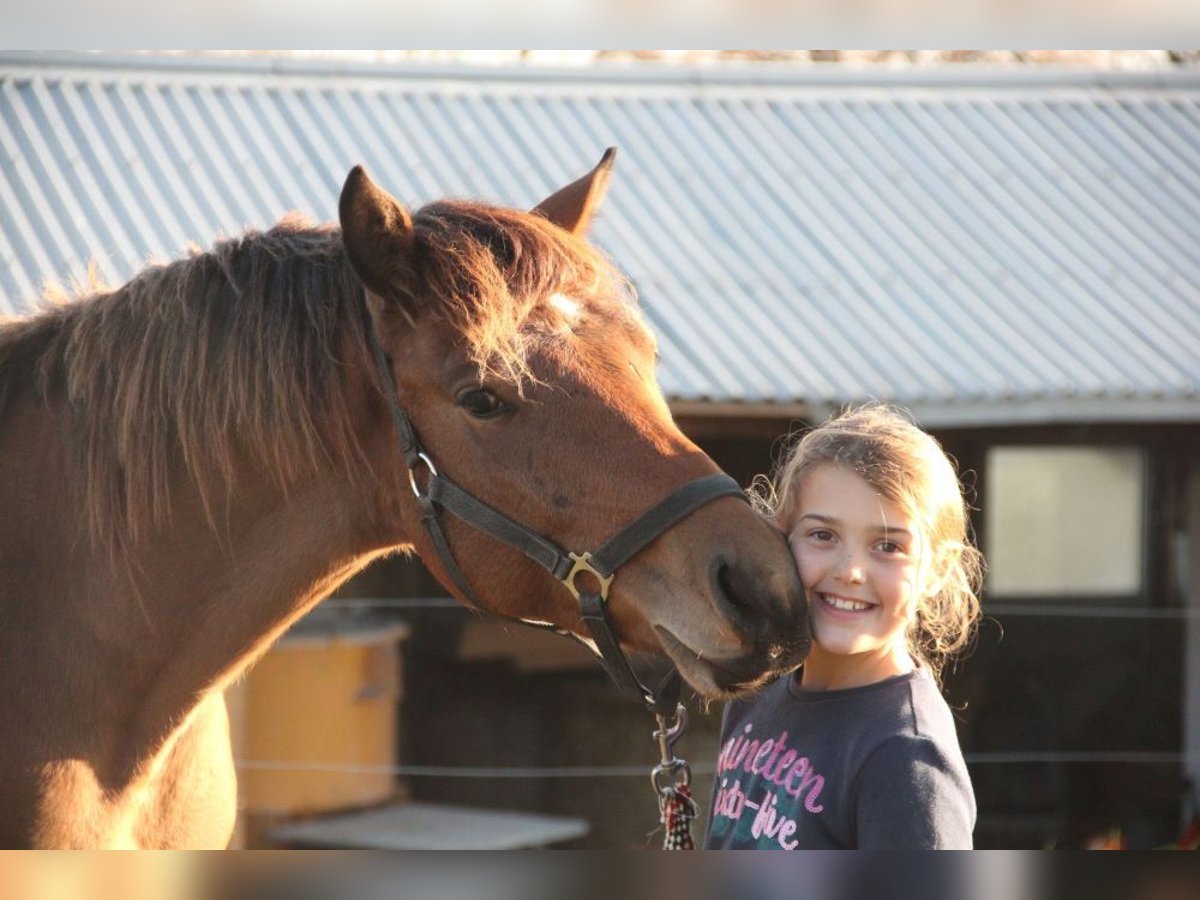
[{"x": 851, "y": 605}]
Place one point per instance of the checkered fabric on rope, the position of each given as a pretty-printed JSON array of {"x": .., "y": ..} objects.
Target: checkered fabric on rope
[{"x": 677, "y": 812}]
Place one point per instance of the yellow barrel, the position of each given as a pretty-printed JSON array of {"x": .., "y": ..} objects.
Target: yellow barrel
[{"x": 319, "y": 719}]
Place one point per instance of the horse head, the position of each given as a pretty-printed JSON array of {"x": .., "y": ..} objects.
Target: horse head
[{"x": 528, "y": 373}]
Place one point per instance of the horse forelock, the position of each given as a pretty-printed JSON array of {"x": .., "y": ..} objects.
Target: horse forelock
[
  {"x": 229, "y": 355},
  {"x": 511, "y": 283}
]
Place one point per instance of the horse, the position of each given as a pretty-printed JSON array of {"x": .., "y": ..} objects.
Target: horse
[{"x": 191, "y": 461}]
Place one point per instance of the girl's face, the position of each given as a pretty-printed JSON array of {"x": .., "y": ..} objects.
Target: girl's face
[{"x": 859, "y": 558}]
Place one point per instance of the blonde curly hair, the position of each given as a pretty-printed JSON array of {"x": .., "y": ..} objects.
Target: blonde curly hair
[{"x": 883, "y": 446}]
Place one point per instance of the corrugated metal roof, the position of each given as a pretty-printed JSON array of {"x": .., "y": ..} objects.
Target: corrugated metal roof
[{"x": 1013, "y": 247}]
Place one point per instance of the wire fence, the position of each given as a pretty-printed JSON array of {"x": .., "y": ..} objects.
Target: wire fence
[
  {"x": 999, "y": 610},
  {"x": 995, "y": 609},
  {"x": 700, "y": 768}
]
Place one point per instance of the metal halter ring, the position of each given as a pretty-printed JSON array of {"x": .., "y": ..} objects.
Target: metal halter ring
[{"x": 412, "y": 479}]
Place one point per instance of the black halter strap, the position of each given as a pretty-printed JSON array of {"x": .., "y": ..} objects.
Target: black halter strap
[{"x": 439, "y": 493}]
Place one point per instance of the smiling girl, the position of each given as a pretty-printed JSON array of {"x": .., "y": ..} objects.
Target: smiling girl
[{"x": 857, "y": 748}]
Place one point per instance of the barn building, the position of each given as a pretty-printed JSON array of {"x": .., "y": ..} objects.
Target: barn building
[{"x": 1013, "y": 256}]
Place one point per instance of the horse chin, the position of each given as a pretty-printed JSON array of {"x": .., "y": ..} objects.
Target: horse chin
[{"x": 722, "y": 679}]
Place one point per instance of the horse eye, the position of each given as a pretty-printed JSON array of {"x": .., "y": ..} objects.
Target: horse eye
[{"x": 481, "y": 403}]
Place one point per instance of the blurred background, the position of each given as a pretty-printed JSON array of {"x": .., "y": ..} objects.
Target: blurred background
[
  {"x": 827, "y": 876},
  {"x": 1005, "y": 242}
]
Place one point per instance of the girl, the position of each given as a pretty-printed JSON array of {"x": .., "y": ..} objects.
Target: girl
[{"x": 857, "y": 748}]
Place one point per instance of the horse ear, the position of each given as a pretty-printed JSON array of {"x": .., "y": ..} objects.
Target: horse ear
[
  {"x": 572, "y": 207},
  {"x": 377, "y": 232}
]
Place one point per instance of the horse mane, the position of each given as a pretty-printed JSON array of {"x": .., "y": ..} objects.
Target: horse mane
[{"x": 237, "y": 354}]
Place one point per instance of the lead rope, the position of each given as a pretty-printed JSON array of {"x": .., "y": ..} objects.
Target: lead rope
[{"x": 672, "y": 780}]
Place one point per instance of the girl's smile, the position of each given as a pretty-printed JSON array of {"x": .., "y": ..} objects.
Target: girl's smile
[
  {"x": 844, "y": 605},
  {"x": 859, "y": 558}
]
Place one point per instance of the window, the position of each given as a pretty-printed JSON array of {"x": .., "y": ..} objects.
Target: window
[{"x": 1064, "y": 521}]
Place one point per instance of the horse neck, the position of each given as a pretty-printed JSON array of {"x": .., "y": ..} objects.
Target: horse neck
[{"x": 229, "y": 595}]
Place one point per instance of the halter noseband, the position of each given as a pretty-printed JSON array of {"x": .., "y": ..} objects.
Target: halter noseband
[{"x": 442, "y": 494}]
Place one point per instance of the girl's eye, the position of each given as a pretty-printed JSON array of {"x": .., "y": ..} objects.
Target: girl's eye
[
  {"x": 890, "y": 547},
  {"x": 481, "y": 403},
  {"x": 821, "y": 534}
]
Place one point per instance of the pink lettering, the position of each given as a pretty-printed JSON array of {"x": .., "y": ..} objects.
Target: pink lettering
[
  {"x": 770, "y": 823},
  {"x": 779, "y": 744},
  {"x": 765, "y": 820},
  {"x": 731, "y": 756},
  {"x": 724, "y": 761},
  {"x": 817, "y": 782},
  {"x": 798, "y": 769},
  {"x": 760, "y": 757},
  {"x": 775, "y": 762},
  {"x": 810, "y": 781},
  {"x": 730, "y": 800},
  {"x": 745, "y": 757},
  {"x": 784, "y": 761},
  {"x": 788, "y": 829}
]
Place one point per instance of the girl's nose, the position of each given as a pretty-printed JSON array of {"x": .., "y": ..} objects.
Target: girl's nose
[{"x": 851, "y": 568}]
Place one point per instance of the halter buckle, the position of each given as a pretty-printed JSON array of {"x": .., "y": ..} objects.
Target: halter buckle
[{"x": 583, "y": 563}]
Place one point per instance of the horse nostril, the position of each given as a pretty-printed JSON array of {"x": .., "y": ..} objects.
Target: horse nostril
[
  {"x": 729, "y": 593},
  {"x": 764, "y": 607}
]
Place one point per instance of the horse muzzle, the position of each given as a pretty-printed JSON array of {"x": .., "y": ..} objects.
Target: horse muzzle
[
  {"x": 754, "y": 626},
  {"x": 723, "y": 677}
]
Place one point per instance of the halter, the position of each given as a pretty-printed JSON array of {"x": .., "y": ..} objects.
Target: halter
[{"x": 441, "y": 494}]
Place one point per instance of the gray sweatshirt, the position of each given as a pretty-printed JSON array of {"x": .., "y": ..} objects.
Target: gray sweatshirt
[{"x": 868, "y": 767}]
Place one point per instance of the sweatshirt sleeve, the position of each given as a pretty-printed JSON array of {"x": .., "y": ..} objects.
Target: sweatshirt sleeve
[{"x": 911, "y": 795}]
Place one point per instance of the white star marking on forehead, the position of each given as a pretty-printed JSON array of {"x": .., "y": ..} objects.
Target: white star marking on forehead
[{"x": 568, "y": 307}]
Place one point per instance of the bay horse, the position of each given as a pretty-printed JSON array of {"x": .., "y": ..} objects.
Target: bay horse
[{"x": 191, "y": 461}]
